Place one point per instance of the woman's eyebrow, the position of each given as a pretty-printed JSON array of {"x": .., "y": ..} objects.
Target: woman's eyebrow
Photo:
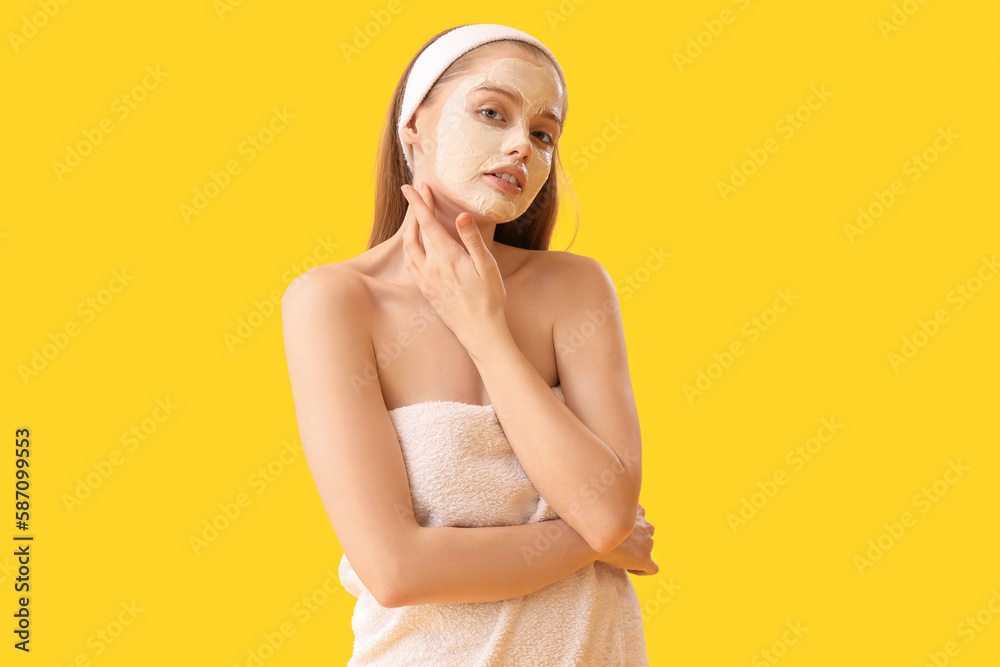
[{"x": 514, "y": 99}]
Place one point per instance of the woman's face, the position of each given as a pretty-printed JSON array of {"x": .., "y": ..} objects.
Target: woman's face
[{"x": 479, "y": 130}]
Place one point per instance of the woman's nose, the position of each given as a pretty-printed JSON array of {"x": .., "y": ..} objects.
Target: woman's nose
[{"x": 520, "y": 141}]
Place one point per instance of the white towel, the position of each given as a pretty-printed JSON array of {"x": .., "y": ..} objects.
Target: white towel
[{"x": 463, "y": 472}]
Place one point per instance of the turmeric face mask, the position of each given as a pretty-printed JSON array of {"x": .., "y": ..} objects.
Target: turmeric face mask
[{"x": 472, "y": 141}]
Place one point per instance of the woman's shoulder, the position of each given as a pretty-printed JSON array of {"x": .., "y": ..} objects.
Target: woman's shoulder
[
  {"x": 355, "y": 281},
  {"x": 342, "y": 282},
  {"x": 557, "y": 268},
  {"x": 569, "y": 283}
]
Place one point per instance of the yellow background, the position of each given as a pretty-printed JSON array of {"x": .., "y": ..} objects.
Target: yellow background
[{"x": 653, "y": 184}]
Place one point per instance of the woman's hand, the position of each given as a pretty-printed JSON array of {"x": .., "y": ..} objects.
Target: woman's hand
[
  {"x": 634, "y": 554},
  {"x": 463, "y": 285}
]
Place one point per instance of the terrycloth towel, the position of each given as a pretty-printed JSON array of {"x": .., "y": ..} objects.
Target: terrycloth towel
[{"x": 463, "y": 472}]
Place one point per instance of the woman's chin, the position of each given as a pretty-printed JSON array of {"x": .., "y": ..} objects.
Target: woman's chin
[
  {"x": 499, "y": 211},
  {"x": 485, "y": 207},
  {"x": 499, "y": 218}
]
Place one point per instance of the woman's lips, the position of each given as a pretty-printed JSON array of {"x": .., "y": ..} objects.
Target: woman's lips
[{"x": 501, "y": 184}]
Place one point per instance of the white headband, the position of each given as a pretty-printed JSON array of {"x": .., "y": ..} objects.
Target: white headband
[{"x": 441, "y": 53}]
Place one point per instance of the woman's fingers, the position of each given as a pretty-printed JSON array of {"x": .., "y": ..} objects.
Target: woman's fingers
[
  {"x": 641, "y": 518},
  {"x": 434, "y": 234},
  {"x": 413, "y": 249},
  {"x": 482, "y": 259},
  {"x": 425, "y": 192}
]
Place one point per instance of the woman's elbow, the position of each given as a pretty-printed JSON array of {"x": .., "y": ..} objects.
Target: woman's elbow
[
  {"x": 389, "y": 597},
  {"x": 607, "y": 542},
  {"x": 383, "y": 588},
  {"x": 612, "y": 534},
  {"x": 391, "y": 589}
]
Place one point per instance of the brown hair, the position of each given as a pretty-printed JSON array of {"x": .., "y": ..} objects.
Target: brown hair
[{"x": 531, "y": 231}]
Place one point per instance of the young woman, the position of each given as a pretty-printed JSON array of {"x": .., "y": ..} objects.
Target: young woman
[{"x": 462, "y": 393}]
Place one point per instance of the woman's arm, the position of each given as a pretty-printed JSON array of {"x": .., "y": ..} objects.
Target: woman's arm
[
  {"x": 347, "y": 435},
  {"x": 356, "y": 463},
  {"x": 448, "y": 564},
  {"x": 584, "y": 457}
]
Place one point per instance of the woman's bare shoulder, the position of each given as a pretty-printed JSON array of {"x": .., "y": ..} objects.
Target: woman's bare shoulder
[
  {"x": 342, "y": 283},
  {"x": 557, "y": 268},
  {"x": 569, "y": 283}
]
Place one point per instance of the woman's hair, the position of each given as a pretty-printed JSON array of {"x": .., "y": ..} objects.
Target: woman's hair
[{"x": 531, "y": 231}]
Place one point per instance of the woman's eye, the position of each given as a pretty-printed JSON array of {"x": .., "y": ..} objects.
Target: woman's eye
[
  {"x": 546, "y": 137},
  {"x": 546, "y": 134}
]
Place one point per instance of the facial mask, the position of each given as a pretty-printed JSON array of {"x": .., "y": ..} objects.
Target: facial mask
[{"x": 468, "y": 146}]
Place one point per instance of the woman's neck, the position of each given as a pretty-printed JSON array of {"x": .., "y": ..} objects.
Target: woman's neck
[{"x": 391, "y": 260}]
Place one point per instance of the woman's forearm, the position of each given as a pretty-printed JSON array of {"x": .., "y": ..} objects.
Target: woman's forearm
[
  {"x": 446, "y": 564},
  {"x": 560, "y": 454}
]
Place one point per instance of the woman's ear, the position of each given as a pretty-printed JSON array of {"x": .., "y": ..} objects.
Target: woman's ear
[{"x": 409, "y": 134}]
